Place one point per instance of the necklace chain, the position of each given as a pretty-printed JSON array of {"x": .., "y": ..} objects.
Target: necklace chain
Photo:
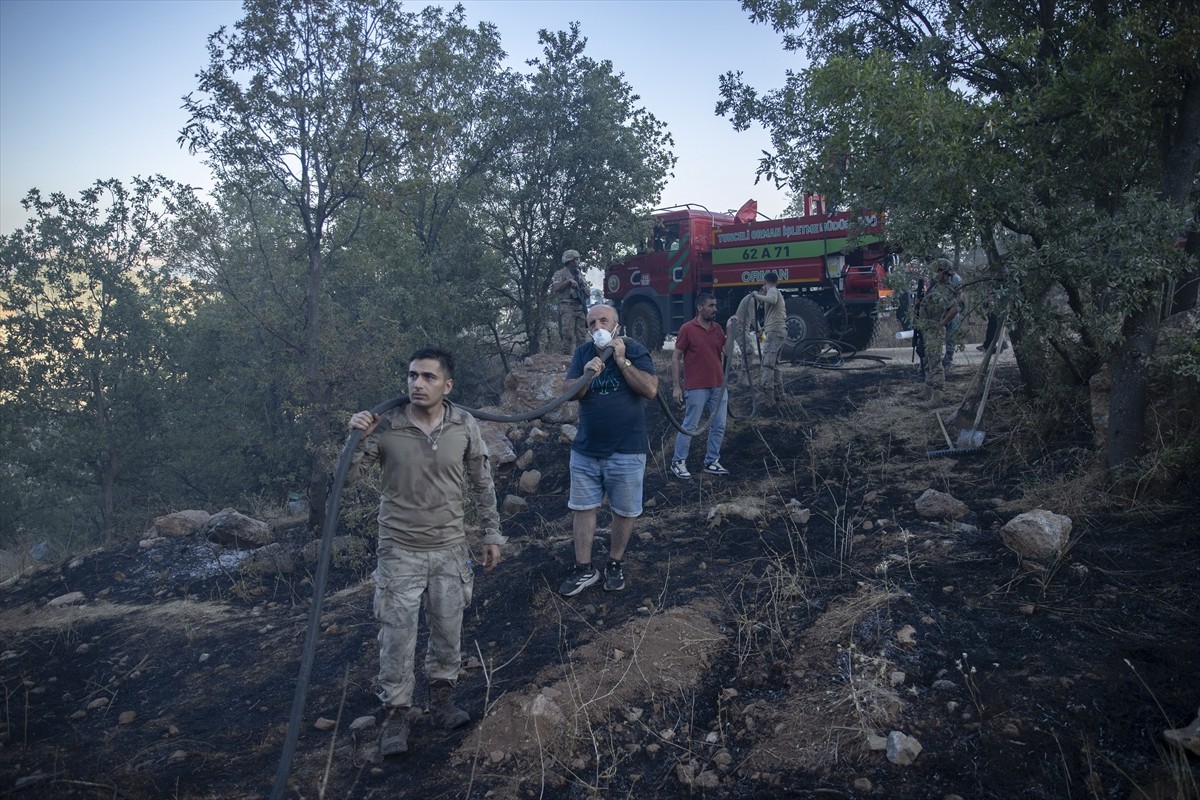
[{"x": 433, "y": 440}]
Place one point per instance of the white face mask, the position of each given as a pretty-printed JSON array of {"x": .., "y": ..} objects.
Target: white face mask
[{"x": 602, "y": 338}]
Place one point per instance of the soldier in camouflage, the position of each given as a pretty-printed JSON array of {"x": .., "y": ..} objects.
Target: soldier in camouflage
[
  {"x": 428, "y": 449},
  {"x": 938, "y": 308}
]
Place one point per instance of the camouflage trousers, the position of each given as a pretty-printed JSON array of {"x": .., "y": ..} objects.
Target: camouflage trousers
[
  {"x": 935, "y": 343},
  {"x": 442, "y": 581},
  {"x": 769, "y": 377},
  {"x": 572, "y": 327}
]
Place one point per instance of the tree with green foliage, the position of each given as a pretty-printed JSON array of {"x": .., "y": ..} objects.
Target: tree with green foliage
[
  {"x": 580, "y": 168},
  {"x": 87, "y": 363},
  {"x": 1061, "y": 138},
  {"x": 309, "y": 112}
]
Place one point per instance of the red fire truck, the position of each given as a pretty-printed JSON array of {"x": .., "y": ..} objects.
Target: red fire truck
[{"x": 831, "y": 268}]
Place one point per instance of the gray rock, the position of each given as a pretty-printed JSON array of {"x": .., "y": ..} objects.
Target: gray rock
[
  {"x": 232, "y": 529},
  {"x": 939, "y": 505},
  {"x": 544, "y": 708},
  {"x": 365, "y": 722},
  {"x": 1038, "y": 535},
  {"x": 514, "y": 504},
  {"x": 529, "y": 482},
  {"x": 537, "y": 380},
  {"x": 180, "y": 523},
  {"x": 1187, "y": 738},
  {"x": 42, "y": 552},
  {"x": 69, "y": 599},
  {"x": 275, "y": 558},
  {"x": 498, "y": 444},
  {"x": 902, "y": 749}
]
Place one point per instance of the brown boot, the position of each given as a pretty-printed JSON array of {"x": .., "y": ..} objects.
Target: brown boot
[
  {"x": 442, "y": 708},
  {"x": 393, "y": 740},
  {"x": 935, "y": 399}
]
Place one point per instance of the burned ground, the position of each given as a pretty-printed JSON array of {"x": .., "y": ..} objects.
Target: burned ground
[{"x": 757, "y": 650}]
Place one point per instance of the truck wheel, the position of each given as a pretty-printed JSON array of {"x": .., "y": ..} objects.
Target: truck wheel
[
  {"x": 643, "y": 323},
  {"x": 805, "y": 320},
  {"x": 861, "y": 332}
]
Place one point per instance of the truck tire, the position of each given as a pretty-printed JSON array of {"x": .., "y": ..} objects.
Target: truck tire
[
  {"x": 643, "y": 323},
  {"x": 805, "y": 320},
  {"x": 860, "y": 333}
]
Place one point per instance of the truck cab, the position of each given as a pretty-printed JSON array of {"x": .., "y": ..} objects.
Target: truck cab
[{"x": 655, "y": 290}]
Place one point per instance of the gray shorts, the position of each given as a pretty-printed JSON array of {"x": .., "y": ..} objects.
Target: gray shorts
[{"x": 619, "y": 476}]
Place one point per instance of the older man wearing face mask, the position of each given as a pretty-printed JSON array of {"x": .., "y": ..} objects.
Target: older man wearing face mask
[{"x": 609, "y": 452}]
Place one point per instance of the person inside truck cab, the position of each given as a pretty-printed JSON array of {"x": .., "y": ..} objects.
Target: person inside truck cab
[{"x": 666, "y": 238}]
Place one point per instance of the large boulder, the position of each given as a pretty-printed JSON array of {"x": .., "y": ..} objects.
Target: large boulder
[
  {"x": 534, "y": 382},
  {"x": 495, "y": 435},
  {"x": 232, "y": 529},
  {"x": 1038, "y": 535},
  {"x": 180, "y": 523}
]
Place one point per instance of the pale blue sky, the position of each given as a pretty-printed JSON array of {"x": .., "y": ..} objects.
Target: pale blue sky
[{"x": 91, "y": 89}]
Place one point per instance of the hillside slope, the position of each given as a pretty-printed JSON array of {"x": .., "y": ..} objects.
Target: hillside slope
[{"x": 776, "y": 625}]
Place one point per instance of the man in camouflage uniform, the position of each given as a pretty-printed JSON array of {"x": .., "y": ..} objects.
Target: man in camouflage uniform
[
  {"x": 775, "y": 328},
  {"x": 571, "y": 289},
  {"x": 428, "y": 449},
  {"x": 938, "y": 308}
]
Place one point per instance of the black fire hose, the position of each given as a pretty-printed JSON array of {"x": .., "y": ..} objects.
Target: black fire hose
[{"x": 730, "y": 369}]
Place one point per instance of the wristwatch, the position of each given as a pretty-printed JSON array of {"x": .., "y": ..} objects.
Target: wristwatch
[{"x": 625, "y": 362}]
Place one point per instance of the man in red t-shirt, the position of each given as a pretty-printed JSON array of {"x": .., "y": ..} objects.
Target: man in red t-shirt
[{"x": 699, "y": 347}]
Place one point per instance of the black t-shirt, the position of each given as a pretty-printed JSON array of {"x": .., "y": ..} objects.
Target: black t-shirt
[{"x": 612, "y": 417}]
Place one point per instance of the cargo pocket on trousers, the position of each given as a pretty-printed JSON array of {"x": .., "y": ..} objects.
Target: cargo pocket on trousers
[{"x": 468, "y": 581}]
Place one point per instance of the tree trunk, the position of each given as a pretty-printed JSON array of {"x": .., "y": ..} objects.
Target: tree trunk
[
  {"x": 318, "y": 407},
  {"x": 1127, "y": 406},
  {"x": 1130, "y": 372},
  {"x": 533, "y": 333}
]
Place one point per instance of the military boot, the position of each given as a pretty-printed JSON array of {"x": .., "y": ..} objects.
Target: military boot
[
  {"x": 935, "y": 399},
  {"x": 442, "y": 708},
  {"x": 393, "y": 739}
]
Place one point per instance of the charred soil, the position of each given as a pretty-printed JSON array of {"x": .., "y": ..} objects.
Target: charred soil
[{"x": 776, "y": 623}]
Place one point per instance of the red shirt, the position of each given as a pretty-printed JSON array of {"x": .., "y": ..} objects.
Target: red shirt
[{"x": 701, "y": 351}]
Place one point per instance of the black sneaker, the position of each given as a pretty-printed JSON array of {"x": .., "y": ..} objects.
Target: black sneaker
[
  {"x": 579, "y": 578},
  {"x": 614, "y": 577},
  {"x": 679, "y": 470},
  {"x": 715, "y": 468}
]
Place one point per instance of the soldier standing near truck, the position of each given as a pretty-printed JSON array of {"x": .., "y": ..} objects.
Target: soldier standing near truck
[
  {"x": 775, "y": 328},
  {"x": 938, "y": 308},
  {"x": 571, "y": 288}
]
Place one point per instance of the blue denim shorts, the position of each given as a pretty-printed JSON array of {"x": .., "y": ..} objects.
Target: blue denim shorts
[{"x": 619, "y": 476}]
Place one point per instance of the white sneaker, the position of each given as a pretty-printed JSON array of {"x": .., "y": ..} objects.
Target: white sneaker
[
  {"x": 715, "y": 468},
  {"x": 679, "y": 470}
]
